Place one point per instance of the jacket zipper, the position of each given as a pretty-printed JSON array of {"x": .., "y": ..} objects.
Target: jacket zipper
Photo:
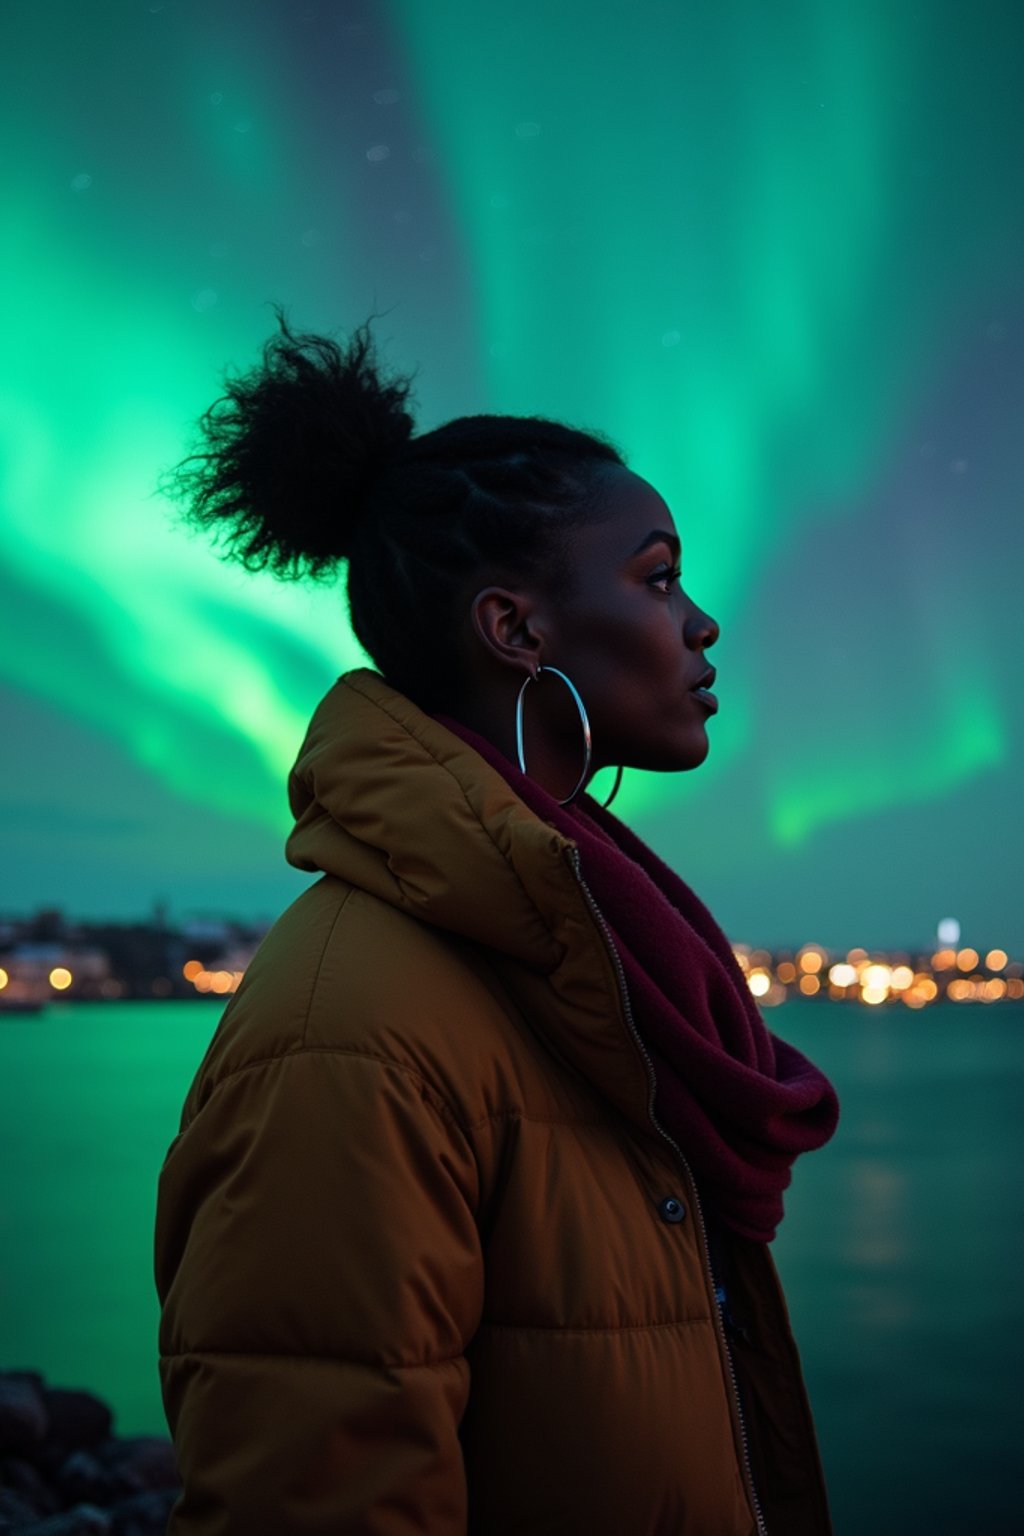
[{"x": 705, "y": 1250}]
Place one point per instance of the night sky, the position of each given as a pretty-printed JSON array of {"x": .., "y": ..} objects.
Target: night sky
[{"x": 776, "y": 253}]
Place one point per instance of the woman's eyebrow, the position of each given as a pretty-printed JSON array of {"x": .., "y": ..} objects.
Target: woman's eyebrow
[{"x": 659, "y": 536}]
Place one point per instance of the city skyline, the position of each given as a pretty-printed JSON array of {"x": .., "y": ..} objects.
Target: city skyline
[{"x": 46, "y": 958}]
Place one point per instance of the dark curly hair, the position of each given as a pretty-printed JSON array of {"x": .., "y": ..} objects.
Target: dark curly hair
[{"x": 309, "y": 459}]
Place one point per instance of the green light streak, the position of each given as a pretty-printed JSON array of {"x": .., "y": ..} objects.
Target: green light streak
[
  {"x": 967, "y": 741},
  {"x": 86, "y": 532}
]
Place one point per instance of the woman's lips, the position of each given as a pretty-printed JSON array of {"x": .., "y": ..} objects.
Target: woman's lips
[{"x": 706, "y": 697}]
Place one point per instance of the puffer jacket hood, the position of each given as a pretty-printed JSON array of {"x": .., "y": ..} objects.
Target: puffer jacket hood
[{"x": 480, "y": 865}]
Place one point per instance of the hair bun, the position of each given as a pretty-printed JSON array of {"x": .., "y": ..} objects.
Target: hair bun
[{"x": 290, "y": 454}]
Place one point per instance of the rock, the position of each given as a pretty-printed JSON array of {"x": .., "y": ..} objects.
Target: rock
[
  {"x": 78, "y": 1420},
  {"x": 145, "y": 1514},
  {"x": 34, "y": 1378},
  {"x": 83, "y": 1479},
  {"x": 56, "y": 1449},
  {"x": 15, "y": 1511},
  {"x": 83, "y": 1520},
  {"x": 22, "y": 1478},
  {"x": 138, "y": 1462},
  {"x": 24, "y": 1420}
]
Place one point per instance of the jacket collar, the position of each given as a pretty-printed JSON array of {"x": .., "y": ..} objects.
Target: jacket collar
[{"x": 391, "y": 801}]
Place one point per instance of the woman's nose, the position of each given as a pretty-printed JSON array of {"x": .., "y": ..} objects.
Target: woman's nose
[{"x": 700, "y": 630}]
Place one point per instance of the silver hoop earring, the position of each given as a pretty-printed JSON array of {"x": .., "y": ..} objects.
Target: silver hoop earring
[{"x": 583, "y": 721}]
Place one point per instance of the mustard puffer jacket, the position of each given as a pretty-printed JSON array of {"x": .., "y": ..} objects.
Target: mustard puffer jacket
[{"x": 426, "y": 1263}]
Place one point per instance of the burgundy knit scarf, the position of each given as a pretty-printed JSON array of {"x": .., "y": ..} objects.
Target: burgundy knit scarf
[{"x": 740, "y": 1102}]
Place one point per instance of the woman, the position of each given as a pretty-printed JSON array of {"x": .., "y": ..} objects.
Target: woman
[{"x": 467, "y": 1225}]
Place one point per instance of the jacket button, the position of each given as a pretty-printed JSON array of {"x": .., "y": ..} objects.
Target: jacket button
[{"x": 671, "y": 1209}]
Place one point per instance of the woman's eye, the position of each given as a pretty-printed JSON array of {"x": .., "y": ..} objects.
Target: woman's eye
[{"x": 666, "y": 579}]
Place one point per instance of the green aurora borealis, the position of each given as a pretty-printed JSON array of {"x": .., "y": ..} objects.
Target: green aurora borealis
[{"x": 776, "y": 253}]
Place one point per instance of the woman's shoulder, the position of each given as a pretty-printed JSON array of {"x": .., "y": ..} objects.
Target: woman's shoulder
[{"x": 342, "y": 972}]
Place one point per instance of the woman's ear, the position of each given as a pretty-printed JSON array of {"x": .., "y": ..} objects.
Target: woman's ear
[{"x": 504, "y": 623}]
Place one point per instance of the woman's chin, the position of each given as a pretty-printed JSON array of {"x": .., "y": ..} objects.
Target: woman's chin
[{"x": 687, "y": 752}]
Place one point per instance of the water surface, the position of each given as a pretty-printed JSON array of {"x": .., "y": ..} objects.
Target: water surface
[{"x": 902, "y": 1250}]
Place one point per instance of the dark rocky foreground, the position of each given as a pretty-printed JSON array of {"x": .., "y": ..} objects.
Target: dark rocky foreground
[{"x": 64, "y": 1473}]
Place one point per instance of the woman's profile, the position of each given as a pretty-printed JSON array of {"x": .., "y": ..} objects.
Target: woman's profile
[{"x": 467, "y": 1225}]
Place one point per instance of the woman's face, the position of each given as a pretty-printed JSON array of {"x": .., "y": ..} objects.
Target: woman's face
[{"x": 628, "y": 635}]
